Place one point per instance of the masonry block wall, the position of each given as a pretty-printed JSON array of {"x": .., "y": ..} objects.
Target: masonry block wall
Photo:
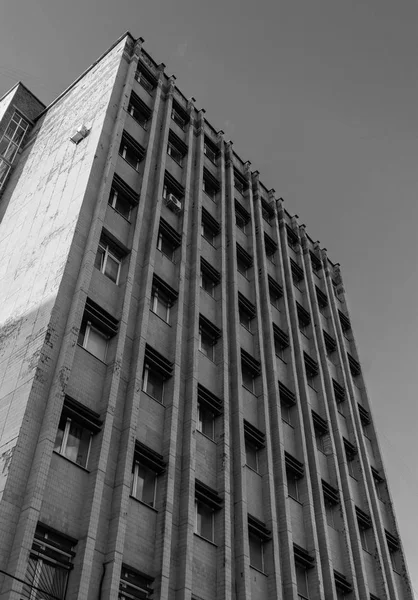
[{"x": 182, "y": 404}]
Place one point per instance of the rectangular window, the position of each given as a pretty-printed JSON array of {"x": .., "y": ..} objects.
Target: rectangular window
[
  {"x": 210, "y": 226},
  {"x": 93, "y": 340},
  {"x": 131, "y": 151},
  {"x": 246, "y": 310},
  {"x": 120, "y": 203},
  {"x": 144, "y": 483},
  {"x": 287, "y": 411},
  {"x": 175, "y": 153},
  {"x": 242, "y": 216},
  {"x": 13, "y": 137},
  {"x": 331, "y": 514},
  {"x": 4, "y": 172},
  {"x": 204, "y": 521},
  {"x": 134, "y": 585},
  {"x": 251, "y": 455},
  {"x": 210, "y": 150},
  {"x": 244, "y": 261},
  {"x": 108, "y": 259},
  {"x": 293, "y": 486},
  {"x": 73, "y": 441},
  {"x": 207, "y": 283},
  {"x": 146, "y": 79},
  {"x": 275, "y": 292},
  {"x": 209, "y": 277},
  {"x": 205, "y": 421},
  {"x": 179, "y": 115},
  {"x": 165, "y": 246},
  {"x": 176, "y": 148},
  {"x": 139, "y": 111},
  {"x": 294, "y": 472},
  {"x": 160, "y": 304},
  {"x": 302, "y": 582},
  {"x": 210, "y": 185},
  {"x": 248, "y": 380},
  {"x": 240, "y": 181},
  {"x": 206, "y": 344},
  {"x": 256, "y": 552},
  {"x": 153, "y": 383},
  {"x": 49, "y": 564}
]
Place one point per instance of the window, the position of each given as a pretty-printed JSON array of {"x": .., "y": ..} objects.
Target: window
[
  {"x": 134, "y": 585},
  {"x": 322, "y": 301},
  {"x": 281, "y": 341},
  {"x": 242, "y": 216},
  {"x": 330, "y": 343},
  {"x": 179, "y": 115},
  {"x": 331, "y": 512},
  {"x": 286, "y": 411},
  {"x": 365, "y": 419},
  {"x": 205, "y": 421},
  {"x": 209, "y": 406},
  {"x": 206, "y": 503},
  {"x": 251, "y": 455},
  {"x": 304, "y": 319},
  {"x": 109, "y": 258},
  {"x": 76, "y": 428},
  {"x": 339, "y": 392},
  {"x": 210, "y": 150},
  {"x": 97, "y": 327},
  {"x": 267, "y": 210},
  {"x": 168, "y": 240},
  {"x": 270, "y": 246},
  {"x": 13, "y": 137},
  {"x": 246, "y": 311},
  {"x": 210, "y": 227},
  {"x": 254, "y": 442},
  {"x": 49, "y": 564},
  {"x": 258, "y": 536},
  {"x": 394, "y": 551},
  {"x": 287, "y": 402},
  {"x": 122, "y": 197},
  {"x": 131, "y": 151},
  {"x": 302, "y": 582},
  {"x": 176, "y": 148},
  {"x": 210, "y": 184},
  {"x": 297, "y": 274},
  {"x": 240, "y": 181},
  {"x": 250, "y": 370},
  {"x": 163, "y": 297},
  {"x": 343, "y": 586},
  {"x": 350, "y": 454},
  {"x": 331, "y": 501},
  {"x": 321, "y": 431},
  {"x": 208, "y": 336},
  {"x": 146, "y": 467},
  {"x": 311, "y": 369},
  {"x": 354, "y": 365},
  {"x": 292, "y": 238},
  {"x": 345, "y": 324},
  {"x": 378, "y": 484},
  {"x": 146, "y": 79},
  {"x": 275, "y": 292},
  {"x": 315, "y": 262},
  {"x": 4, "y": 172},
  {"x": 157, "y": 369},
  {"x": 244, "y": 261},
  {"x": 294, "y": 472},
  {"x": 365, "y": 529},
  {"x": 138, "y": 110},
  {"x": 209, "y": 277}
]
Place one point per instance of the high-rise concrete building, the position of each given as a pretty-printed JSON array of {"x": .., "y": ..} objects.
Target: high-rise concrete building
[{"x": 182, "y": 409}]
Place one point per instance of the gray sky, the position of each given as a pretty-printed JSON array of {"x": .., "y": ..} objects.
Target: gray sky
[{"x": 322, "y": 98}]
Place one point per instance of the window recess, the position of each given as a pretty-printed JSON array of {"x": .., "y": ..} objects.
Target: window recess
[
  {"x": 240, "y": 181},
  {"x": 139, "y": 111},
  {"x": 376, "y": 476},
  {"x": 315, "y": 261},
  {"x": 209, "y": 407},
  {"x": 311, "y": 366},
  {"x": 247, "y": 311},
  {"x": 355, "y": 368},
  {"x": 134, "y": 585},
  {"x": 254, "y": 442},
  {"x": 330, "y": 343},
  {"x": 341, "y": 583},
  {"x": 364, "y": 520},
  {"x": 211, "y": 228},
  {"x": 209, "y": 276},
  {"x": 13, "y": 137},
  {"x": 97, "y": 327},
  {"x": 242, "y": 216},
  {"x": 304, "y": 316},
  {"x": 392, "y": 541},
  {"x": 250, "y": 370},
  {"x": 208, "y": 336},
  {"x": 302, "y": 557},
  {"x": 350, "y": 450},
  {"x": 275, "y": 291},
  {"x": 168, "y": 239},
  {"x": 49, "y": 564},
  {"x": 292, "y": 238},
  {"x": 179, "y": 115},
  {"x": 209, "y": 399},
  {"x": 267, "y": 210},
  {"x": 331, "y": 494},
  {"x": 176, "y": 148},
  {"x": 76, "y": 428},
  {"x": 109, "y": 257},
  {"x": 131, "y": 151},
  {"x": 157, "y": 369},
  {"x": 321, "y": 430},
  {"x": 207, "y": 502},
  {"x": 297, "y": 272},
  {"x": 244, "y": 260},
  {"x": 258, "y": 535},
  {"x": 281, "y": 341},
  {"x": 286, "y": 395},
  {"x": 173, "y": 193},
  {"x": 345, "y": 322},
  {"x": 122, "y": 197},
  {"x": 210, "y": 150},
  {"x": 339, "y": 391},
  {"x": 163, "y": 296},
  {"x": 147, "y": 466},
  {"x": 294, "y": 472},
  {"x": 322, "y": 298},
  {"x": 211, "y": 185},
  {"x": 146, "y": 79},
  {"x": 270, "y": 246}
]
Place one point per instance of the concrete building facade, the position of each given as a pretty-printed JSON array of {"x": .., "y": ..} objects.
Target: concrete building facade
[{"x": 182, "y": 409}]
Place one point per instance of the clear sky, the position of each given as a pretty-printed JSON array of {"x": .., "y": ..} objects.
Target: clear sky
[{"x": 321, "y": 96}]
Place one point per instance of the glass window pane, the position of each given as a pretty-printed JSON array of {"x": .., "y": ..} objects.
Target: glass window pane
[
  {"x": 206, "y": 421},
  {"x": 58, "y": 439},
  {"x": 301, "y": 578},
  {"x": 78, "y": 444},
  {"x": 98, "y": 263},
  {"x": 251, "y": 455},
  {"x": 96, "y": 343},
  {"x": 155, "y": 385},
  {"x": 256, "y": 552},
  {"x": 204, "y": 524},
  {"x": 112, "y": 268},
  {"x": 248, "y": 380}
]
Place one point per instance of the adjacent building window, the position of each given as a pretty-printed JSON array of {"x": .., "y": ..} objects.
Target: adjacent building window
[
  {"x": 206, "y": 503},
  {"x": 146, "y": 79},
  {"x": 211, "y": 185},
  {"x": 394, "y": 551},
  {"x": 146, "y": 468},
  {"x": 157, "y": 369},
  {"x": 176, "y": 148},
  {"x": 208, "y": 336},
  {"x": 345, "y": 324},
  {"x": 76, "y": 428},
  {"x": 134, "y": 585},
  {"x": 209, "y": 277},
  {"x": 210, "y": 226},
  {"x": 13, "y": 137},
  {"x": 168, "y": 240},
  {"x": 49, "y": 564},
  {"x": 258, "y": 536},
  {"x": 322, "y": 301},
  {"x": 294, "y": 472},
  {"x": 343, "y": 586},
  {"x": 4, "y": 172},
  {"x": 138, "y": 110},
  {"x": 109, "y": 258},
  {"x": 378, "y": 484},
  {"x": 179, "y": 115},
  {"x": 210, "y": 150},
  {"x": 97, "y": 327},
  {"x": 122, "y": 197},
  {"x": 250, "y": 370},
  {"x": 131, "y": 151},
  {"x": 163, "y": 297},
  {"x": 209, "y": 406},
  {"x": 244, "y": 261},
  {"x": 246, "y": 310}
]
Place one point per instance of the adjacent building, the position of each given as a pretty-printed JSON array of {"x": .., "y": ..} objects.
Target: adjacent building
[{"x": 182, "y": 408}]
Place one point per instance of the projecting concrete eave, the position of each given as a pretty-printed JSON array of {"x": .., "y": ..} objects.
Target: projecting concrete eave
[{"x": 123, "y": 36}]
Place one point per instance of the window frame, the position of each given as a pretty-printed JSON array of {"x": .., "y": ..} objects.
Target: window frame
[
  {"x": 137, "y": 465},
  {"x": 203, "y": 410},
  {"x": 207, "y": 343},
  {"x": 107, "y": 252},
  {"x": 85, "y": 330},
  {"x": 161, "y": 299},
  {"x": 15, "y": 144},
  {"x": 163, "y": 242},
  {"x": 254, "y": 539},
  {"x": 148, "y": 369},
  {"x": 125, "y": 150},
  {"x": 209, "y": 511},
  {"x": 63, "y": 444}
]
